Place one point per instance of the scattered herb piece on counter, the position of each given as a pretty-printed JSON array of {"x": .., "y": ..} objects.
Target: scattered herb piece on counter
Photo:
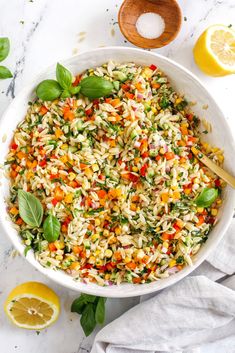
[
  {"x": 30, "y": 208},
  {"x": 207, "y": 197},
  {"x": 92, "y": 311},
  {"x": 4, "y": 51},
  {"x": 92, "y": 86}
]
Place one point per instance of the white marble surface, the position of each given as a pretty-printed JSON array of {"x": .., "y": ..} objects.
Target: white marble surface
[{"x": 41, "y": 33}]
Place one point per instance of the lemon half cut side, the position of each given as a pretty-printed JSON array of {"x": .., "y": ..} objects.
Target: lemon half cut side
[
  {"x": 214, "y": 51},
  {"x": 32, "y": 305}
]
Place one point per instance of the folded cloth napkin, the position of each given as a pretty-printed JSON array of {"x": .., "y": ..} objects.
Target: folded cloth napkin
[{"x": 196, "y": 312}]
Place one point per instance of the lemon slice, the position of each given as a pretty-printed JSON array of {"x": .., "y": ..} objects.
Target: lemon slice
[
  {"x": 214, "y": 51},
  {"x": 32, "y": 305}
]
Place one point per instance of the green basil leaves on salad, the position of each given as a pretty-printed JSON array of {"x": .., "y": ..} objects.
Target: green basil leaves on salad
[
  {"x": 51, "y": 228},
  {"x": 31, "y": 211},
  {"x": 92, "y": 311},
  {"x": 30, "y": 208},
  {"x": 207, "y": 197},
  {"x": 4, "y": 51},
  {"x": 48, "y": 90},
  {"x": 91, "y": 86}
]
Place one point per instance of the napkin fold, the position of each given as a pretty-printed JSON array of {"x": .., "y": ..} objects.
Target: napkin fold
[{"x": 196, "y": 311}]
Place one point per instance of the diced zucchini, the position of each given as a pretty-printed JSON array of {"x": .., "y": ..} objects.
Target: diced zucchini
[
  {"x": 73, "y": 149},
  {"x": 87, "y": 244},
  {"x": 116, "y": 85},
  {"x": 120, "y": 76},
  {"x": 80, "y": 125},
  {"x": 153, "y": 153},
  {"x": 134, "y": 134}
]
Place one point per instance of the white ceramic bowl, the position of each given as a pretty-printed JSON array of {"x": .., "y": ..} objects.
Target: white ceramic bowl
[{"x": 183, "y": 81}]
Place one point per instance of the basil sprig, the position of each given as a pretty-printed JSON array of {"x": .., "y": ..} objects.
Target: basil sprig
[
  {"x": 207, "y": 197},
  {"x": 51, "y": 228},
  {"x": 95, "y": 87},
  {"x": 91, "y": 87},
  {"x": 91, "y": 309},
  {"x": 30, "y": 208},
  {"x": 48, "y": 90},
  {"x": 4, "y": 51}
]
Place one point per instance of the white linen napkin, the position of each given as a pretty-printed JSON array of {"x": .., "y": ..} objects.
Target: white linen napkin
[{"x": 196, "y": 312}]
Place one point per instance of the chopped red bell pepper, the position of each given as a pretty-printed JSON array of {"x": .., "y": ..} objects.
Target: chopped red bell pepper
[
  {"x": 217, "y": 183},
  {"x": 54, "y": 202},
  {"x": 143, "y": 170},
  {"x": 14, "y": 146},
  {"x": 153, "y": 67}
]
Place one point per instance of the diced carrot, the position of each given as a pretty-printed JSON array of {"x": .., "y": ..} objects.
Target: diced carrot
[
  {"x": 14, "y": 211},
  {"x": 34, "y": 164},
  {"x": 69, "y": 115},
  {"x": 138, "y": 86},
  {"x": 90, "y": 227},
  {"x": 145, "y": 154},
  {"x": 114, "y": 193},
  {"x": 135, "y": 198},
  {"x": 112, "y": 143},
  {"x": 13, "y": 174},
  {"x": 145, "y": 259},
  {"x": 158, "y": 157},
  {"x": 180, "y": 223},
  {"x": 28, "y": 163},
  {"x": 20, "y": 155},
  {"x": 164, "y": 196},
  {"x": 131, "y": 265},
  {"x": 59, "y": 194},
  {"x": 169, "y": 155},
  {"x": 74, "y": 265},
  {"x": 77, "y": 249},
  {"x": 136, "y": 280},
  {"x": 192, "y": 139},
  {"x": 129, "y": 95},
  {"x": 201, "y": 220},
  {"x": 88, "y": 201},
  {"x": 83, "y": 166},
  {"x": 181, "y": 143},
  {"x": 156, "y": 85},
  {"x": 117, "y": 256},
  {"x": 167, "y": 236},
  {"x": 64, "y": 228},
  {"x": 184, "y": 130},
  {"x": 179, "y": 267},
  {"x": 52, "y": 247},
  {"x": 101, "y": 194},
  {"x": 42, "y": 152},
  {"x": 183, "y": 160},
  {"x": 58, "y": 133},
  {"x": 43, "y": 110},
  {"x": 115, "y": 102}
]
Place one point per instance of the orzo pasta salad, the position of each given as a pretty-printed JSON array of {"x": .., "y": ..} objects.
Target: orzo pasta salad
[{"x": 122, "y": 197}]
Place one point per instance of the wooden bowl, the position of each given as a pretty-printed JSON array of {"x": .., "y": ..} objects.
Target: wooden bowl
[{"x": 130, "y": 11}]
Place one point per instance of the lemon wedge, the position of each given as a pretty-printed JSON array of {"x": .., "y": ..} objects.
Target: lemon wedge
[
  {"x": 214, "y": 51},
  {"x": 32, "y": 305}
]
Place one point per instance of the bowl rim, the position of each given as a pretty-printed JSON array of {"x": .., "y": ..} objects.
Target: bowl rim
[{"x": 137, "y": 289}]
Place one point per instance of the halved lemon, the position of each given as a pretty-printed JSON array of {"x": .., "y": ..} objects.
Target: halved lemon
[
  {"x": 214, "y": 51},
  {"x": 32, "y": 305}
]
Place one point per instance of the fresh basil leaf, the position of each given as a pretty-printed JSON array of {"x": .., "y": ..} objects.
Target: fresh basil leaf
[
  {"x": 48, "y": 90},
  {"x": 207, "y": 197},
  {"x": 64, "y": 76},
  {"x": 51, "y": 228},
  {"x": 87, "y": 320},
  {"x": 5, "y": 73},
  {"x": 30, "y": 208},
  {"x": 65, "y": 94},
  {"x": 4, "y": 48},
  {"x": 100, "y": 311},
  {"x": 78, "y": 305},
  {"x": 96, "y": 87},
  {"x": 75, "y": 90}
]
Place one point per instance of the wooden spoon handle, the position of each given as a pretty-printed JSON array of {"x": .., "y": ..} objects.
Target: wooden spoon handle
[{"x": 214, "y": 167}]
